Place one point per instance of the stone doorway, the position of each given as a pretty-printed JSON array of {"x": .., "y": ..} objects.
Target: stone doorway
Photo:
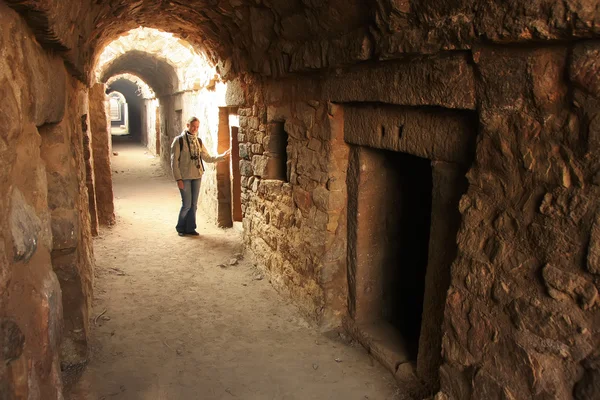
[
  {"x": 390, "y": 210},
  {"x": 157, "y": 131},
  {"x": 228, "y": 174},
  {"x": 402, "y": 223},
  {"x": 236, "y": 177}
]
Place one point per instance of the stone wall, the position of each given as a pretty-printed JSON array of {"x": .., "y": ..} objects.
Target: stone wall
[
  {"x": 522, "y": 312},
  {"x": 522, "y": 305},
  {"x": 101, "y": 150},
  {"x": 151, "y": 125},
  {"x": 63, "y": 150},
  {"x": 296, "y": 225},
  {"x": 45, "y": 204}
]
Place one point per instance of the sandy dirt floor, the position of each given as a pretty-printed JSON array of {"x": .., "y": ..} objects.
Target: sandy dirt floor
[{"x": 178, "y": 326}]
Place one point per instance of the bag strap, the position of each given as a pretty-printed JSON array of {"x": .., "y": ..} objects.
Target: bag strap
[
  {"x": 201, "y": 162},
  {"x": 180, "y": 146}
]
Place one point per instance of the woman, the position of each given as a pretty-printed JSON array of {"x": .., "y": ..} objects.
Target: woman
[{"x": 187, "y": 154}]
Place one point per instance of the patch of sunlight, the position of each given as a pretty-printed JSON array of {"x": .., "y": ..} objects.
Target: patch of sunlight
[{"x": 194, "y": 69}]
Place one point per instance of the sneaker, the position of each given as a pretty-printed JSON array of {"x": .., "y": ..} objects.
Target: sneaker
[
  {"x": 181, "y": 233},
  {"x": 193, "y": 233}
]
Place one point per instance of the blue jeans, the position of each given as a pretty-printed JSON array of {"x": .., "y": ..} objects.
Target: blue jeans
[{"x": 189, "y": 203}]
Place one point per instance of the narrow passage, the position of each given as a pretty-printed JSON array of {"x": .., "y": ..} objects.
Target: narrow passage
[{"x": 179, "y": 326}]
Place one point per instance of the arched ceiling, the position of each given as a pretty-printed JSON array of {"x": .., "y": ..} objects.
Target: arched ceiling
[
  {"x": 145, "y": 90},
  {"x": 193, "y": 70},
  {"x": 242, "y": 33},
  {"x": 273, "y": 37},
  {"x": 156, "y": 72}
]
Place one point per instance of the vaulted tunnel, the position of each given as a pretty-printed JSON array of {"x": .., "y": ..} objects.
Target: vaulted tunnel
[
  {"x": 435, "y": 198},
  {"x": 156, "y": 72}
]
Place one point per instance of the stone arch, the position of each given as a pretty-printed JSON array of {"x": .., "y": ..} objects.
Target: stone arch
[
  {"x": 118, "y": 109},
  {"x": 143, "y": 87},
  {"x": 157, "y": 72}
]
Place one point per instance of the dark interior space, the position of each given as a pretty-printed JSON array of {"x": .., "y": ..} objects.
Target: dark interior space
[
  {"x": 134, "y": 102},
  {"x": 407, "y": 198},
  {"x": 278, "y": 152},
  {"x": 236, "y": 184}
]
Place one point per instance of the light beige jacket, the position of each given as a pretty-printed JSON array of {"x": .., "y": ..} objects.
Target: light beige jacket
[{"x": 182, "y": 165}]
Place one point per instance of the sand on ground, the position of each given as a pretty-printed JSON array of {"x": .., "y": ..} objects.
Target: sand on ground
[{"x": 179, "y": 326}]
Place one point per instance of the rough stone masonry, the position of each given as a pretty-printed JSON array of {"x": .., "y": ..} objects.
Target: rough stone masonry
[{"x": 503, "y": 96}]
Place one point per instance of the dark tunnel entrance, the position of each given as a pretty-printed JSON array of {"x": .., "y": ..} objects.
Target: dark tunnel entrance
[{"x": 129, "y": 122}]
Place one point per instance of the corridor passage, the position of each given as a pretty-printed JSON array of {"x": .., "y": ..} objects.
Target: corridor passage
[{"x": 172, "y": 319}]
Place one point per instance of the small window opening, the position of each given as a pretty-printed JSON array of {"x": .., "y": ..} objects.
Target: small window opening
[{"x": 277, "y": 166}]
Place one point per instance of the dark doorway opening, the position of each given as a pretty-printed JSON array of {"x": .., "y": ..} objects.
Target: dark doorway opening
[
  {"x": 402, "y": 223},
  {"x": 134, "y": 107},
  {"x": 236, "y": 177},
  {"x": 277, "y": 167},
  {"x": 406, "y": 197}
]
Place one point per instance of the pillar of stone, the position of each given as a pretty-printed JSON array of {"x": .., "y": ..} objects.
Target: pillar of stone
[
  {"x": 367, "y": 224},
  {"x": 65, "y": 160},
  {"x": 100, "y": 131},
  {"x": 224, "y": 219},
  {"x": 449, "y": 183}
]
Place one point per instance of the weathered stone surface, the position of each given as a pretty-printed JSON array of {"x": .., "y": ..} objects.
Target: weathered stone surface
[
  {"x": 12, "y": 340},
  {"x": 433, "y": 135},
  {"x": 585, "y": 68},
  {"x": 589, "y": 385},
  {"x": 593, "y": 258},
  {"x": 562, "y": 285},
  {"x": 273, "y": 40},
  {"x": 446, "y": 82},
  {"x": 101, "y": 147},
  {"x": 162, "y": 77},
  {"x": 65, "y": 230},
  {"x": 259, "y": 165},
  {"x": 535, "y": 133},
  {"x": 24, "y": 227}
]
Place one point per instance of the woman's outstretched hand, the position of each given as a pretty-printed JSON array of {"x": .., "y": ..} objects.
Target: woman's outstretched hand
[{"x": 227, "y": 153}]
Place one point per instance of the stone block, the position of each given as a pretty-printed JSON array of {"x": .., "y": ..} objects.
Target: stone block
[
  {"x": 320, "y": 197},
  {"x": 259, "y": 165},
  {"x": 12, "y": 340},
  {"x": 295, "y": 130},
  {"x": 253, "y": 123},
  {"x": 246, "y": 168},
  {"x": 256, "y": 185},
  {"x": 302, "y": 199},
  {"x": 61, "y": 191},
  {"x": 588, "y": 387},
  {"x": 447, "y": 82},
  {"x": 562, "y": 285},
  {"x": 245, "y": 151},
  {"x": 443, "y": 136},
  {"x": 585, "y": 69},
  {"x": 315, "y": 145},
  {"x": 234, "y": 96},
  {"x": 65, "y": 230},
  {"x": 278, "y": 113},
  {"x": 306, "y": 114},
  {"x": 25, "y": 227},
  {"x": 593, "y": 258},
  {"x": 257, "y": 149}
]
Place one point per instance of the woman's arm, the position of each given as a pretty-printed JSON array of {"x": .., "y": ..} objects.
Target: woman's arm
[{"x": 210, "y": 159}]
